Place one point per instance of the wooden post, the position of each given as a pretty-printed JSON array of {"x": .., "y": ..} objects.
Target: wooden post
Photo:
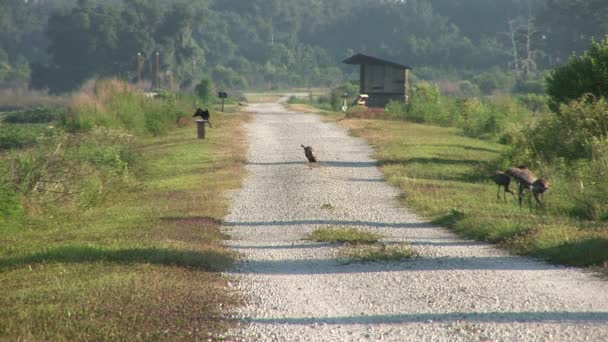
[
  {"x": 200, "y": 125},
  {"x": 407, "y": 81}
]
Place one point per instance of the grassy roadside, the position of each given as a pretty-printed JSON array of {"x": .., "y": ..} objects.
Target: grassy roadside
[
  {"x": 144, "y": 266},
  {"x": 444, "y": 176}
]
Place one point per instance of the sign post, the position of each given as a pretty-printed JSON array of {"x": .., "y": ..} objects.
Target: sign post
[{"x": 222, "y": 95}]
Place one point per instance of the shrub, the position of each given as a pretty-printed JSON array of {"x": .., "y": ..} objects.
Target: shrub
[
  {"x": 587, "y": 74},
  {"x": 10, "y": 208},
  {"x": 35, "y": 115},
  {"x": 204, "y": 90},
  {"x": 489, "y": 82},
  {"x": 425, "y": 105},
  {"x": 21, "y": 136}
]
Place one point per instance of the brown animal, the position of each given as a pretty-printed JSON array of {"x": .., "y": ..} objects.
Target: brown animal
[
  {"x": 502, "y": 180},
  {"x": 310, "y": 154},
  {"x": 528, "y": 181}
]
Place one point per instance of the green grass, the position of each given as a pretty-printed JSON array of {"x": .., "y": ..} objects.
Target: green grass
[
  {"x": 140, "y": 266},
  {"x": 343, "y": 235},
  {"x": 376, "y": 253},
  {"x": 443, "y": 176}
]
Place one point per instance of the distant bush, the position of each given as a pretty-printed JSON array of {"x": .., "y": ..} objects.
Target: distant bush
[
  {"x": 534, "y": 102},
  {"x": 35, "y": 115},
  {"x": 21, "y": 136},
  {"x": 204, "y": 90},
  {"x": 489, "y": 82},
  {"x": 336, "y": 96},
  {"x": 530, "y": 87}
]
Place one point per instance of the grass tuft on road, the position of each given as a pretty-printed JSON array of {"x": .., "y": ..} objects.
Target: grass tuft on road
[{"x": 343, "y": 235}]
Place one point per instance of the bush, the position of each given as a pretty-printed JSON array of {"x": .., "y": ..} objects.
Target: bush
[
  {"x": 204, "y": 90},
  {"x": 10, "y": 208},
  {"x": 587, "y": 74},
  {"x": 489, "y": 82},
  {"x": 21, "y": 136},
  {"x": 336, "y": 97},
  {"x": 569, "y": 133},
  {"x": 36, "y": 115},
  {"x": 425, "y": 105}
]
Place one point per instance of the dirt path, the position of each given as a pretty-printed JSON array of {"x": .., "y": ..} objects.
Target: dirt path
[{"x": 456, "y": 290}]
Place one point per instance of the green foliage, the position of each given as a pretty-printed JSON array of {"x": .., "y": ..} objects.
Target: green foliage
[
  {"x": 426, "y": 105},
  {"x": 343, "y": 235},
  {"x": 569, "y": 133},
  {"x": 21, "y": 136},
  {"x": 489, "y": 82},
  {"x": 204, "y": 90},
  {"x": 337, "y": 95},
  {"x": 587, "y": 74},
  {"x": 35, "y": 115},
  {"x": 10, "y": 208},
  {"x": 114, "y": 104}
]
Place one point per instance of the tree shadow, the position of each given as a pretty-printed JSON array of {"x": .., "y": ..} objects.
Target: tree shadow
[
  {"x": 347, "y": 164},
  {"x": 472, "y": 317},
  {"x": 204, "y": 260},
  {"x": 332, "y": 266},
  {"x": 369, "y": 224},
  {"x": 581, "y": 253},
  {"x": 465, "y": 147},
  {"x": 433, "y": 160}
]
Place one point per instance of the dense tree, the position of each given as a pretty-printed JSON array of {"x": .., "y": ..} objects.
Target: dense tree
[{"x": 287, "y": 42}]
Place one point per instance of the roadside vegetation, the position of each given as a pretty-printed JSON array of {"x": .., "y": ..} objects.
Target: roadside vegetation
[
  {"x": 109, "y": 222},
  {"x": 344, "y": 235},
  {"x": 440, "y": 150}
]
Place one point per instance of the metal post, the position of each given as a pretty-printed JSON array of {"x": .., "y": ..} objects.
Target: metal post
[
  {"x": 222, "y": 104},
  {"x": 157, "y": 70},
  {"x": 138, "y": 67}
]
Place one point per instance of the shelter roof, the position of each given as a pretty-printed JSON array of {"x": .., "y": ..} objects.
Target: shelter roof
[{"x": 364, "y": 59}]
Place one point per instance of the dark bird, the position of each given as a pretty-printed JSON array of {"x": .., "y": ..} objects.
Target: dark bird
[
  {"x": 310, "y": 154},
  {"x": 203, "y": 114},
  {"x": 502, "y": 180},
  {"x": 528, "y": 181}
]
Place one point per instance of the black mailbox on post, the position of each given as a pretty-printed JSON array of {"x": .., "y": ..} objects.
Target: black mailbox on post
[{"x": 222, "y": 95}]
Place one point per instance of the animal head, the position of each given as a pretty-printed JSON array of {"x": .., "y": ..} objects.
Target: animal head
[{"x": 540, "y": 186}]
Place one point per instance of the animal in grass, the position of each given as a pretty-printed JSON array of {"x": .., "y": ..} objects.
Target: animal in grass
[
  {"x": 528, "y": 181},
  {"x": 310, "y": 154},
  {"x": 503, "y": 181},
  {"x": 203, "y": 114}
]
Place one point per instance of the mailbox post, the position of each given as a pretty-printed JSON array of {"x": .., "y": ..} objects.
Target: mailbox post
[
  {"x": 222, "y": 95},
  {"x": 200, "y": 128}
]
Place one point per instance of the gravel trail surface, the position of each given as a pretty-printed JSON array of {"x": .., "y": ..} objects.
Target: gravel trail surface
[{"x": 456, "y": 290}]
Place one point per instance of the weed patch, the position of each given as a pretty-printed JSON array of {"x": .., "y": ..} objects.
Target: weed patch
[{"x": 344, "y": 235}]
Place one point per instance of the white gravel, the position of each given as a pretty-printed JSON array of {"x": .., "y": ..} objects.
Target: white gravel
[{"x": 456, "y": 290}]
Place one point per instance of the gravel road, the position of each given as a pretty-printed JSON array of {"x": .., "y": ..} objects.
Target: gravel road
[{"x": 456, "y": 290}]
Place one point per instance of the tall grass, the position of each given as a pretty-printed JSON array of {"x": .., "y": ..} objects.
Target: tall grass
[{"x": 118, "y": 105}]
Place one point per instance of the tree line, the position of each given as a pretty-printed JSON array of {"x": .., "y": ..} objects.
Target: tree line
[{"x": 61, "y": 43}]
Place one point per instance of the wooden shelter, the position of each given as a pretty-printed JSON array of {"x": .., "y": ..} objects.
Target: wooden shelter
[{"x": 381, "y": 80}]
